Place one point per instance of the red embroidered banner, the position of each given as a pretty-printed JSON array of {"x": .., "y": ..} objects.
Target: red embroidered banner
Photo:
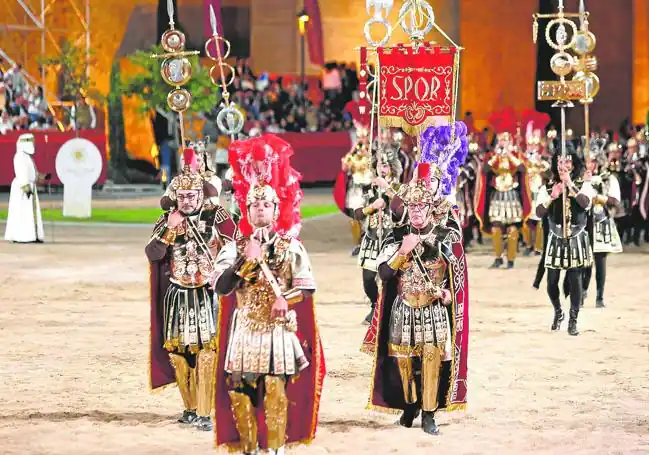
[{"x": 417, "y": 87}]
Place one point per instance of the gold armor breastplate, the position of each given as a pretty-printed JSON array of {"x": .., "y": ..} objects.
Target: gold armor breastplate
[
  {"x": 191, "y": 266},
  {"x": 414, "y": 288},
  {"x": 256, "y": 297}
]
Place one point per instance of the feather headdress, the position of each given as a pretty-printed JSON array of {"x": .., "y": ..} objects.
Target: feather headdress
[
  {"x": 447, "y": 156},
  {"x": 261, "y": 170}
]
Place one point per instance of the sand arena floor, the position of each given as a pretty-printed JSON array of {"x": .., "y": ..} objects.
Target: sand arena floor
[{"x": 73, "y": 368}]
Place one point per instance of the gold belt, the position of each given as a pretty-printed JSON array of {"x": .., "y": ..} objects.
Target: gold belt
[
  {"x": 189, "y": 284},
  {"x": 418, "y": 300}
]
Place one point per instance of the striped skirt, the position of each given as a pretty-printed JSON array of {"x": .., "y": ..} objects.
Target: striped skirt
[{"x": 190, "y": 319}]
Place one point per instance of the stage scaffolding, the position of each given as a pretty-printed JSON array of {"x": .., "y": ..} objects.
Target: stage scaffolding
[{"x": 23, "y": 17}]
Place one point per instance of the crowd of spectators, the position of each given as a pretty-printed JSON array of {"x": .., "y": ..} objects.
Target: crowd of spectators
[
  {"x": 22, "y": 106},
  {"x": 277, "y": 104}
]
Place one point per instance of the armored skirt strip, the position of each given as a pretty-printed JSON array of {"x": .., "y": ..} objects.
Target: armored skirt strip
[
  {"x": 506, "y": 208},
  {"x": 572, "y": 252},
  {"x": 190, "y": 319}
]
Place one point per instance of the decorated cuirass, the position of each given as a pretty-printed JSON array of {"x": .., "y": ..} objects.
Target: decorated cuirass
[
  {"x": 601, "y": 183},
  {"x": 504, "y": 167},
  {"x": 255, "y": 295},
  {"x": 373, "y": 221},
  {"x": 536, "y": 168},
  {"x": 197, "y": 242},
  {"x": 360, "y": 166}
]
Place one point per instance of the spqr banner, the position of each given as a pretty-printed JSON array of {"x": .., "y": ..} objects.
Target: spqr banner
[{"x": 417, "y": 86}]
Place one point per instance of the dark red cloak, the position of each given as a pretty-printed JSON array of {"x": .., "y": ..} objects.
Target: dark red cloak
[
  {"x": 340, "y": 191},
  {"x": 304, "y": 391},
  {"x": 386, "y": 391}
]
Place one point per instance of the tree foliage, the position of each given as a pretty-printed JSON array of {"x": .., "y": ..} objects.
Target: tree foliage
[
  {"x": 147, "y": 84},
  {"x": 71, "y": 65}
]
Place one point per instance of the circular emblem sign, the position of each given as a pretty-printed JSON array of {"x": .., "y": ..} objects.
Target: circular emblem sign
[{"x": 78, "y": 161}]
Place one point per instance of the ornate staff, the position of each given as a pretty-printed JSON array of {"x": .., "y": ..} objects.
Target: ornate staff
[
  {"x": 584, "y": 84},
  {"x": 176, "y": 69},
  {"x": 415, "y": 84},
  {"x": 428, "y": 73},
  {"x": 229, "y": 120}
]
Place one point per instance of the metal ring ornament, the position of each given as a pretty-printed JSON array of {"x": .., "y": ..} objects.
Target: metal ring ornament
[
  {"x": 179, "y": 100},
  {"x": 368, "y": 33},
  {"x": 414, "y": 8},
  {"x": 230, "y": 120},
  {"x": 176, "y": 71},
  {"x": 173, "y": 40},
  {"x": 220, "y": 79},
  {"x": 591, "y": 81},
  {"x": 562, "y": 63},
  {"x": 585, "y": 42},
  {"x": 215, "y": 40},
  {"x": 555, "y": 44}
]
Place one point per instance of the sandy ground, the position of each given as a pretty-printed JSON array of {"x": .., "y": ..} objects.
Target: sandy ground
[{"x": 74, "y": 328}]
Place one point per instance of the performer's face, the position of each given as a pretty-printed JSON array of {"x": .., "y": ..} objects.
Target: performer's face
[
  {"x": 565, "y": 164},
  {"x": 188, "y": 201},
  {"x": 261, "y": 213},
  {"x": 418, "y": 214},
  {"x": 384, "y": 170}
]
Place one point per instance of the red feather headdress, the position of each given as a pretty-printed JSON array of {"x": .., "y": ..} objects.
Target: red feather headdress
[
  {"x": 505, "y": 121},
  {"x": 259, "y": 164}
]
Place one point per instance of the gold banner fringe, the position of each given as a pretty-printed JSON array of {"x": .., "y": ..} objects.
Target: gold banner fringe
[{"x": 393, "y": 121}]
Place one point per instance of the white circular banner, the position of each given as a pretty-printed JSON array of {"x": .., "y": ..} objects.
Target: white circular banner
[{"x": 78, "y": 161}]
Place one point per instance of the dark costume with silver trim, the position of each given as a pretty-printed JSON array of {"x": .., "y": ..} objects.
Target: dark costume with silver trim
[{"x": 572, "y": 253}]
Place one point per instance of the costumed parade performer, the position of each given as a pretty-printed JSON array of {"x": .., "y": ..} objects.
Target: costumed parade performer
[
  {"x": 566, "y": 249},
  {"x": 377, "y": 220},
  {"x": 24, "y": 222},
  {"x": 354, "y": 180},
  {"x": 605, "y": 202},
  {"x": 538, "y": 167},
  {"x": 465, "y": 191},
  {"x": 503, "y": 194},
  {"x": 269, "y": 347},
  {"x": 419, "y": 336},
  {"x": 212, "y": 184},
  {"x": 184, "y": 315}
]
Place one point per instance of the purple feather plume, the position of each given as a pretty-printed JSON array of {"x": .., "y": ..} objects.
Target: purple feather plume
[{"x": 449, "y": 157}]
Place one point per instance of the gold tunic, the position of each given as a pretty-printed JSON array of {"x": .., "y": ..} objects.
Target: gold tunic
[{"x": 259, "y": 343}]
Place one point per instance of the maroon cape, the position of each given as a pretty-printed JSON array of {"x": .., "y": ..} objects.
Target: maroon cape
[
  {"x": 386, "y": 391},
  {"x": 303, "y": 391},
  {"x": 340, "y": 191}
]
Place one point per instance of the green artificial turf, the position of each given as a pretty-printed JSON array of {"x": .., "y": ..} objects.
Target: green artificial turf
[{"x": 149, "y": 214}]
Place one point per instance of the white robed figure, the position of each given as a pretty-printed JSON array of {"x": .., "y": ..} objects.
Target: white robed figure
[{"x": 24, "y": 222}]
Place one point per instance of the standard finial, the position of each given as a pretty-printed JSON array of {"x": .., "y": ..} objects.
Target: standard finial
[
  {"x": 213, "y": 21},
  {"x": 170, "y": 11}
]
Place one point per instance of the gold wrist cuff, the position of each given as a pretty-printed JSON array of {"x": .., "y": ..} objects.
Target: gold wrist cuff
[
  {"x": 169, "y": 236},
  {"x": 601, "y": 199},
  {"x": 397, "y": 261},
  {"x": 368, "y": 210},
  {"x": 293, "y": 296},
  {"x": 247, "y": 268}
]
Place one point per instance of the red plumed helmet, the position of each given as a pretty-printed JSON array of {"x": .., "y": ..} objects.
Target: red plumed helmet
[
  {"x": 261, "y": 168},
  {"x": 189, "y": 159},
  {"x": 539, "y": 120},
  {"x": 505, "y": 121}
]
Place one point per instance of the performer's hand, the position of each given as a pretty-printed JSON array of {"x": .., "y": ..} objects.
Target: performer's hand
[
  {"x": 557, "y": 190},
  {"x": 279, "y": 308},
  {"x": 253, "y": 250},
  {"x": 175, "y": 219},
  {"x": 27, "y": 189},
  {"x": 565, "y": 178},
  {"x": 445, "y": 296},
  {"x": 379, "y": 204},
  {"x": 409, "y": 243},
  {"x": 381, "y": 183}
]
